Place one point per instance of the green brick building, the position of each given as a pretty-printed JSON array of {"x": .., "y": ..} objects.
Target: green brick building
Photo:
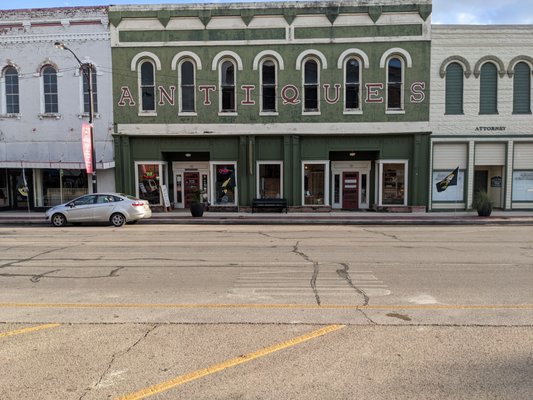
[{"x": 324, "y": 104}]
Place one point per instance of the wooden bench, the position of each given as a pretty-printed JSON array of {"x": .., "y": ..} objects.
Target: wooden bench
[{"x": 265, "y": 204}]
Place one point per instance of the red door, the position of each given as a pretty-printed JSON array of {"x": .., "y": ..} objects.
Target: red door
[
  {"x": 350, "y": 190},
  {"x": 191, "y": 185}
]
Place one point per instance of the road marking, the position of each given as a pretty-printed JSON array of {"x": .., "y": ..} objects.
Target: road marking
[
  {"x": 275, "y": 306},
  {"x": 27, "y": 330},
  {"x": 180, "y": 380}
]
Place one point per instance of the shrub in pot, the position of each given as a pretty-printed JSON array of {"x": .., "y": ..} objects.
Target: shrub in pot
[
  {"x": 482, "y": 203},
  {"x": 197, "y": 205}
]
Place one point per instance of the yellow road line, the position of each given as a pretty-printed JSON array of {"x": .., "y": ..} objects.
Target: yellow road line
[
  {"x": 180, "y": 380},
  {"x": 27, "y": 330},
  {"x": 276, "y": 306}
]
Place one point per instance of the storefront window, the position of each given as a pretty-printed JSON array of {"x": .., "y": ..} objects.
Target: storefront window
[
  {"x": 149, "y": 180},
  {"x": 62, "y": 185},
  {"x": 452, "y": 193},
  {"x": 522, "y": 185},
  {"x": 315, "y": 183},
  {"x": 270, "y": 181},
  {"x": 393, "y": 184},
  {"x": 3, "y": 188},
  {"x": 225, "y": 183}
]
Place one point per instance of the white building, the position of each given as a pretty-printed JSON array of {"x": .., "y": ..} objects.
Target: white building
[
  {"x": 480, "y": 114},
  {"x": 44, "y": 100}
]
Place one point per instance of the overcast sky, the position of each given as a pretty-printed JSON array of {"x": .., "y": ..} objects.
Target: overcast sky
[{"x": 444, "y": 11}]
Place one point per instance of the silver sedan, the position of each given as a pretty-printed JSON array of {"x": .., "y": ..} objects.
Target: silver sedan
[{"x": 115, "y": 208}]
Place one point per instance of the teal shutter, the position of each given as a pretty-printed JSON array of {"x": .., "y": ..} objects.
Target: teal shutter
[
  {"x": 488, "y": 93},
  {"x": 454, "y": 89},
  {"x": 522, "y": 89}
]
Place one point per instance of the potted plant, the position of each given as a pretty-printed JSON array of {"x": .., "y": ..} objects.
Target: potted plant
[
  {"x": 197, "y": 203},
  {"x": 482, "y": 203}
]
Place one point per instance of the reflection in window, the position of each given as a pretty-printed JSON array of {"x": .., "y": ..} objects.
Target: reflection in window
[
  {"x": 11, "y": 79},
  {"x": 147, "y": 86},
  {"x": 187, "y": 87},
  {"x": 85, "y": 77},
  {"x": 311, "y": 85},
  {"x": 270, "y": 181},
  {"x": 225, "y": 184},
  {"x": 268, "y": 88},
  {"x": 50, "y": 90},
  {"x": 314, "y": 184},
  {"x": 393, "y": 183},
  {"x": 148, "y": 182},
  {"x": 62, "y": 185},
  {"x": 394, "y": 84},
  {"x": 227, "y": 85},
  {"x": 352, "y": 84}
]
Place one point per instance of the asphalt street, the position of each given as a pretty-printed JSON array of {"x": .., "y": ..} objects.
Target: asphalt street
[{"x": 266, "y": 312}]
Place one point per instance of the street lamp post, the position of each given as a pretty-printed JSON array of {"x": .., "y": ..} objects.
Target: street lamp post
[{"x": 87, "y": 70}]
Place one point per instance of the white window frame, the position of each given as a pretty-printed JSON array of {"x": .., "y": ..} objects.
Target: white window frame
[
  {"x": 81, "y": 76},
  {"x": 258, "y": 181},
  {"x": 45, "y": 114},
  {"x": 146, "y": 113},
  {"x": 162, "y": 175},
  {"x": 180, "y": 92},
  {"x": 276, "y": 66},
  {"x": 353, "y": 111},
  {"x": 221, "y": 112},
  {"x": 319, "y": 69},
  {"x": 326, "y": 181},
  {"x": 213, "y": 187},
  {"x": 400, "y": 110},
  {"x": 3, "y": 92},
  {"x": 379, "y": 181}
]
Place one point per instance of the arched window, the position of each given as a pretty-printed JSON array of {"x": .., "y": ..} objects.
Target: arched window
[
  {"x": 49, "y": 75},
  {"x": 311, "y": 85},
  {"x": 11, "y": 90},
  {"x": 394, "y": 84},
  {"x": 488, "y": 91},
  {"x": 352, "y": 85},
  {"x": 454, "y": 89},
  {"x": 522, "y": 89},
  {"x": 147, "y": 86},
  {"x": 268, "y": 86},
  {"x": 227, "y": 86},
  {"x": 187, "y": 87},
  {"x": 85, "y": 77}
]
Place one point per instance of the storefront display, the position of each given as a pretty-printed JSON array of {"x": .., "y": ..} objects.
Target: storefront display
[
  {"x": 148, "y": 178},
  {"x": 225, "y": 184}
]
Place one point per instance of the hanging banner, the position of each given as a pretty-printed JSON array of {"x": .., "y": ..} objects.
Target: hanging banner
[{"x": 87, "y": 147}]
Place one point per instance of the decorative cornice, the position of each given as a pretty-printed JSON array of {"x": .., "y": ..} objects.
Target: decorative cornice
[{"x": 51, "y": 38}]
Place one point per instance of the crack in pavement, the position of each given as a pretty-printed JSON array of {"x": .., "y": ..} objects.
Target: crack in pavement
[
  {"x": 13, "y": 263},
  {"x": 316, "y": 270},
  {"x": 344, "y": 274},
  {"x": 114, "y": 356},
  {"x": 36, "y": 278},
  {"x": 384, "y": 234}
]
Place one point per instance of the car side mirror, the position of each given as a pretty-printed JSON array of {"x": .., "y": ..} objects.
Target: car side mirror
[{"x": 71, "y": 205}]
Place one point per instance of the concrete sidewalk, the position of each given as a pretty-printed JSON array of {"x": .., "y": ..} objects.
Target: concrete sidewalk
[{"x": 311, "y": 218}]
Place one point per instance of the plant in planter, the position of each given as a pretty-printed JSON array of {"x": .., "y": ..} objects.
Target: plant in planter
[
  {"x": 482, "y": 203},
  {"x": 197, "y": 204}
]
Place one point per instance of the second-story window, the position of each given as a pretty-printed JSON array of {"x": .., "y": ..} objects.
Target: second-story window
[
  {"x": 147, "y": 87},
  {"x": 394, "y": 84},
  {"x": 187, "y": 87},
  {"x": 85, "y": 77},
  {"x": 311, "y": 85},
  {"x": 227, "y": 86},
  {"x": 488, "y": 91},
  {"x": 268, "y": 86},
  {"x": 352, "y": 85},
  {"x": 454, "y": 89},
  {"x": 522, "y": 89},
  {"x": 49, "y": 75},
  {"x": 11, "y": 90}
]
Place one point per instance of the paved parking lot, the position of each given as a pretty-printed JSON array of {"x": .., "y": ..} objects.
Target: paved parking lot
[{"x": 192, "y": 312}]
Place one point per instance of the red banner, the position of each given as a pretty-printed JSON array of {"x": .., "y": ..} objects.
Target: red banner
[{"x": 87, "y": 147}]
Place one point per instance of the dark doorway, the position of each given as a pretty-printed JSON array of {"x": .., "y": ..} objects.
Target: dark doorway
[
  {"x": 350, "y": 190},
  {"x": 18, "y": 199},
  {"x": 481, "y": 181}
]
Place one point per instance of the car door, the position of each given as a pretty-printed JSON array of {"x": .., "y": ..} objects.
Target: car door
[
  {"x": 104, "y": 206},
  {"x": 81, "y": 209}
]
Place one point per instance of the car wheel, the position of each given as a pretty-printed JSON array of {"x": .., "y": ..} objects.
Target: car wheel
[
  {"x": 58, "y": 220},
  {"x": 117, "y": 220}
]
